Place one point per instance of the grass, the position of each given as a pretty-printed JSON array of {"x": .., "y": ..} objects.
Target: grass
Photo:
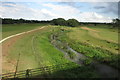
[
  {"x": 94, "y": 39},
  {"x": 98, "y": 54},
  {"x": 10, "y": 29},
  {"x": 103, "y": 50},
  {"x": 106, "y": 33},
  {"x": 37, "y": 51},
  {"x": 71, "y": 54},
  {"x": 43, "y": 53},
  {"x": 76, "y": 72}
]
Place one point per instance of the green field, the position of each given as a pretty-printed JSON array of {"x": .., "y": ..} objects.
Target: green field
[
  {"x": 35, "y": 50},
  {"x": 10, "y": 29},
  {"x": 98, "y": 36},
  {"x": 97, "y": 42}
]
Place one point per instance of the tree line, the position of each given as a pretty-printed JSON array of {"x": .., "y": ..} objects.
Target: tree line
[
  {"x": 19, "y": 21},
  {"x": 58, "y": 21}
]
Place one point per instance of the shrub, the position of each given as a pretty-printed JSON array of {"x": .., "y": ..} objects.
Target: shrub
[
  {"x": 63, "y": 22},
  {"x": 71, "y": 54},
  {"x": 59, "y": 21},
  {"x": 72, "y": 22}
]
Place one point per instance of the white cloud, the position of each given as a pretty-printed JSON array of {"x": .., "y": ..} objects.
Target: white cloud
[
  {"x": 63, "y": 11},
  {"x": 50, "y": 11},
  {"x": 22, "y": 11},
  {"x": 93, "y": 17},
  {"x": 47, "y": 12},
  {"x": 68, "y": 12}
]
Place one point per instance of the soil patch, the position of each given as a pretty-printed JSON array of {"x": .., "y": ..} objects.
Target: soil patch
[{"x": 86, "y": 28}]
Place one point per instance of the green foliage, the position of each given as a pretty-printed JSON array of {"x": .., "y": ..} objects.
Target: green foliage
[
  {"x": 72, "y": 22},
  {"x": 59, "y": 21},
  {"x": 63, "y": 22},
  {"x": 71, "y": 54},
  {"x": 76, "y": 72},
  {"x": 87, "y": 61},
  {"x": 19, "y": 21},
  {"x": 116, "y": 23},
  {"x": 60, "y": 43},
  {"x": 94, "y": 52},
  {"x": 37, "y": 51}
]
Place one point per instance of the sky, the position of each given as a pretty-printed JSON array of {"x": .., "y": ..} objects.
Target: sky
[{"x": 82, "y": 11}]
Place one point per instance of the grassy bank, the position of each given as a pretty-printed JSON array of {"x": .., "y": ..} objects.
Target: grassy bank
[{"x": 103, "y": 50}]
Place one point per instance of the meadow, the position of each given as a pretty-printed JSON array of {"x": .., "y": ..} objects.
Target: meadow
[
  {"x": 40, "y": 48},
  {"x": 98, "y": 36},
  {"x": 35, "y": 50},
  {"x": 96, "y": 42},
  {"x": 10, "y": 29}
]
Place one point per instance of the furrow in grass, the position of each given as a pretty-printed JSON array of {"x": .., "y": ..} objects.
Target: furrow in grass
[{"x": 34, "y": 52}]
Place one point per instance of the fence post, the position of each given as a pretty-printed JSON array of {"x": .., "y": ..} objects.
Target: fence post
[{"x": 17, "y": 66}]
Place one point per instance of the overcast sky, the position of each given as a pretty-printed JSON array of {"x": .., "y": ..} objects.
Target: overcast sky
[{"x": 82, "y": 11}]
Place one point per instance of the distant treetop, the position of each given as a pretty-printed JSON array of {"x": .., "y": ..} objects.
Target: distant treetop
[{"x": 63, "y": 22}]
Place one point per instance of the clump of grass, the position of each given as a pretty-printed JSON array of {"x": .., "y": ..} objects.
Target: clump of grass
[
  {"x": 71, "y": 54},
  {"x": 87, "y": 61}
]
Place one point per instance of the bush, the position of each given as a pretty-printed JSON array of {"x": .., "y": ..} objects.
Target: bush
[
  {"x": 87, "y": 61},
  {"x": 71, "y": 54},
  {"x": 59, "y": 21},
  {"x": 116, "y": 23},
  {"x": 72, "y": 22},
  {"x": 63, "y": 22}
]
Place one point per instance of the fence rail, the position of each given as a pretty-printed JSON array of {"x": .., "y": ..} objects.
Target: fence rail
[{"x": 38, "y": 71}]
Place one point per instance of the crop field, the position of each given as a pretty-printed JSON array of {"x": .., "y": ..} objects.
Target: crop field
[{"x": 33, "y": 50}]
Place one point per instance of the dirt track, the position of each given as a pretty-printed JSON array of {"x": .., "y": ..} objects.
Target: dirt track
[{"x": 6, "y": 45}]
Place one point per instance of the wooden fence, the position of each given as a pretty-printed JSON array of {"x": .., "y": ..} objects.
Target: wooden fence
[{"x": 47, "y": 70}]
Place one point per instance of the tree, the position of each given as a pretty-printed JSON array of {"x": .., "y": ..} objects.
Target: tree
[
  {"x": 63, "y": 22},
  {"x": 116, "y": 22},
  {"x": 20, "y": 21},
  {"x": 72, "y": 22},
  {"x": 59, "y": 21}
]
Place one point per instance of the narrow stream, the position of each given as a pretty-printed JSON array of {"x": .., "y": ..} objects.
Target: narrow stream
[{"x": 104, "y": 70}]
